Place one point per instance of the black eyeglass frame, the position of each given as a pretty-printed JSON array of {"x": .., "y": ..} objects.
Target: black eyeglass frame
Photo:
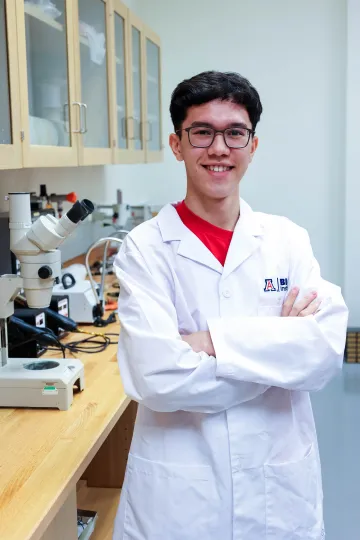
[{"x": 251, "y": 132}]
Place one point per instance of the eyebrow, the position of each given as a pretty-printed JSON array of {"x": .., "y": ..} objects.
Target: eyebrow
[{"x": 232, "y": 125}]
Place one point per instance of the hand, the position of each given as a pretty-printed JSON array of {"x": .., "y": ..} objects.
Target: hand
[
  {"x": 200, "y": 342},
  {"x": 309, "y": 305}
]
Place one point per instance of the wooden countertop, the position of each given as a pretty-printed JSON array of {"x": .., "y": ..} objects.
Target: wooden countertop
[{"x": 43, "y": 453}]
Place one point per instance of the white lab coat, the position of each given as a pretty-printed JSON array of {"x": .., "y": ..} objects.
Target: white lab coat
[{"x": 224, "y": 448}]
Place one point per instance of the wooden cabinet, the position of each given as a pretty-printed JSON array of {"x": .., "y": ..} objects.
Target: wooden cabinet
[
  {"x": 10, "y": 142},
  {"x": 145, "y": 93},
  {"x": 122, "y": 116},
  {"x": 152, "y": 98},
  {"x": 81, "y": 83},
  {"x": 93, "y": 80},
  {"x": 137, "y": 88},
  {"x": 49, "y": 115}
]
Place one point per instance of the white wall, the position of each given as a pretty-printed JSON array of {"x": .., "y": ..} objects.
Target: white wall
[
  {"x": 349, "y": 391},
  {"x": 352, "y": 213},
  {"x": 294, "y": 53}
]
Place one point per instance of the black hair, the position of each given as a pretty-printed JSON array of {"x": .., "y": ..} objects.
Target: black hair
[{"x": 210, "y": 86}]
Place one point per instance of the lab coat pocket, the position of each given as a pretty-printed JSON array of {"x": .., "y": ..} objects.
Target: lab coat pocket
[
  {"x": 169, "y": 501},
  {"x": 270, "y": 305},
  {"x": 270, "y": 310},
  {"x": 293, "y": 502}
]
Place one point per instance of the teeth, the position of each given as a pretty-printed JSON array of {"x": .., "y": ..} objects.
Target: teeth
[{"x": 218, "y": 168}]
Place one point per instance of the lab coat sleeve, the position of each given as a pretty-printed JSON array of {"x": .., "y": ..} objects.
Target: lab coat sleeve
[
  {"x": 157, "y": 367},
  {"x": 295, "y": 353}
]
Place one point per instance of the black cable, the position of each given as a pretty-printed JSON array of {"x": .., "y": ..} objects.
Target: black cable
[
  {"x": 94, "y": 345},
  {"x": 60, "y": 345},
  {"x": 90, "y": 344},
  {"x": 20, "y": 343},
  {"x": 112, "y": 334}
]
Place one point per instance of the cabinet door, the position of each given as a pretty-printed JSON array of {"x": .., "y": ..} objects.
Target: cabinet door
[
  {"x": 121, "y": 85},
  {"x": 92, "y": 23},
  {"x": 152, "y": 76},
  {"x": 47, "y": 92},
  {"x": 136, "y": 120},
  {"x": 10, "y": 142}
]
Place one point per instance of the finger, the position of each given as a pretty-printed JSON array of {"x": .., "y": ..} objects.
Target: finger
[
  {"x": 289, "y": 302},
  {"x": 311, "y": 309},
  {"x": 303, "y": 304}
]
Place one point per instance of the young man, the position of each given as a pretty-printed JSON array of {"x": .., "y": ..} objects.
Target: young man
[{"x": 226, "y": 326}]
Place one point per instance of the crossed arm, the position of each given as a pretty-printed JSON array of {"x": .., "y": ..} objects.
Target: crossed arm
[
  {"x": 308, "y": 305},
  {"x": 165, "y": 372}
]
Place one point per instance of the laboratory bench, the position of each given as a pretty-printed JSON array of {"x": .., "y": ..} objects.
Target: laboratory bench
[{"x": 53, "y": 462}]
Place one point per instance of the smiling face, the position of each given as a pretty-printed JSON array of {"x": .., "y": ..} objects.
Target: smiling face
[{"x": 214, "y": 172}]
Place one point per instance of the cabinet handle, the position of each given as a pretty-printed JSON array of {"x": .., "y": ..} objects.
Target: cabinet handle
[
  {"x": 84, "y": 106},
  {"x": 124, "y": 128},
  {"x": 133, "y": 138},
  {"x": 79, "y": 105},
  {"x": 150, "y": 131}
]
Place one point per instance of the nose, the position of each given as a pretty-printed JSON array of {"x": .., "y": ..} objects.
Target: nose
[{"x": 218, "y": 147}]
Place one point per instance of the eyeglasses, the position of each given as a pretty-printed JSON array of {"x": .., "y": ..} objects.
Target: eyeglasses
[{"x": 203, "y": 136}]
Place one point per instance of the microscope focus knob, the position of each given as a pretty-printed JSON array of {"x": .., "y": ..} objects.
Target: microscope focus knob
[{"x": 45, "y": 272}]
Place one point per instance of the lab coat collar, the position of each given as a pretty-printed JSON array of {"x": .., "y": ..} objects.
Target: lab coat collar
[{"x": 243, "y": 243}]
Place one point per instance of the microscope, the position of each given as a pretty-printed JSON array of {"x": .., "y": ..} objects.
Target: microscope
[{"x": 28, "y": 382}]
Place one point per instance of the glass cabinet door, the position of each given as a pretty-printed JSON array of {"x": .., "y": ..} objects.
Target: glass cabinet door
[
  {"x": 93, "y": 44},
  {"x": 5, "y": 103},
  {"x": 121, "y": 75},
  {"x": 46, "y": 40},
  {"x": 10, "y": 142},
  {"x": 137, "y": 94},
  {"x": 153, "y": 98},
  {"x": 45, "y": 44},
  {"x": 136, "y": 75}
]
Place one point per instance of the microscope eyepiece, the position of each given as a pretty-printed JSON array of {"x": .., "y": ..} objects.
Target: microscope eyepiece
[
  {"x": 80, "y": 210},
  {"x": 88, "y": 208}
]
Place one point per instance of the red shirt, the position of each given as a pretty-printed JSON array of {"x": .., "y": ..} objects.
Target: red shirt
[{"x": 217, "y": 240}]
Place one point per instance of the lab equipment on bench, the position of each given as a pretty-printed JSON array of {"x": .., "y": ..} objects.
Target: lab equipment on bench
[
  {"x": 20, "y": 344},
  {"x": 100, "y": 297},
  {"x": 116, "y": 214},
  {"x": 120, "y": 215},
  {"x": 50, "y": 318},
  {"x": 49, "y": 204},
  {"x": 28, "y": 382},
  {"x": 82, "y": 301},
  {"x": 86, "y": 297}
]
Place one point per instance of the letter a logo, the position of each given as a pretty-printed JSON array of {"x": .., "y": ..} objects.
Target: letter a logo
[{"x": 269, "y": 286}]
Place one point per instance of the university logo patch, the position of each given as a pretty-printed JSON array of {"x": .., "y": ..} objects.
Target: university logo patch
[
  {"x": 280, "y": 285},
  {"x": 269, "y": 286}
]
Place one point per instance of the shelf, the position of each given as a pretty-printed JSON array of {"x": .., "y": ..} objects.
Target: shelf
[
  {"x": 84, "y": 40},
  {"x": 105, "y": 502},
  {"x": 37, "y": 13}
]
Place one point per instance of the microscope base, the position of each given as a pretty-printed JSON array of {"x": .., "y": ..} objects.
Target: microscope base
[{"x": 47, "y": 383}]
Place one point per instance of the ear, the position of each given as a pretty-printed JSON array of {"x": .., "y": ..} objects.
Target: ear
[
  {"x": 254, "y": 145},
  {"x": 175, "y": 145}
]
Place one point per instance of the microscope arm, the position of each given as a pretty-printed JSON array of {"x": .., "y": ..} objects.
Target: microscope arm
[{"x": 10, "y": 286}]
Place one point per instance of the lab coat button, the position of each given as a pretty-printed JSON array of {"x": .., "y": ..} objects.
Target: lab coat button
[{"x": 226, "y": 293}]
